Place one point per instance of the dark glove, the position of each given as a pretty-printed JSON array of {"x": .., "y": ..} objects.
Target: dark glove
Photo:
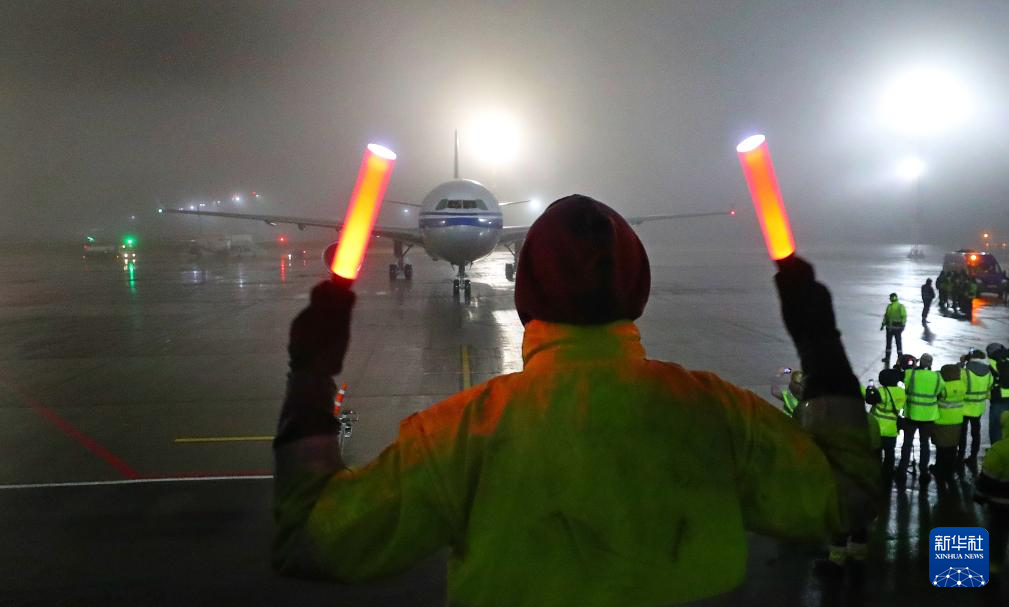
[
  {"x": 319, "y": 337},
  {"x": 808, "y": 312},
  {"x": 321, "y": 332}
]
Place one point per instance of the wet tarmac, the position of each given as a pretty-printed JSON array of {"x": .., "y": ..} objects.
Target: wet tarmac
[{"x": 136, "y": 408}]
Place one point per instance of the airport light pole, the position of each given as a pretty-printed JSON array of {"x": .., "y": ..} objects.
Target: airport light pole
[
  {"x": 920, "y": 103},
  {"x": 911, "y": 169}
]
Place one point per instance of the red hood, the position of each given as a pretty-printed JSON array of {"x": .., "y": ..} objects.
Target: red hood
[{"x": 581, "y": 264}]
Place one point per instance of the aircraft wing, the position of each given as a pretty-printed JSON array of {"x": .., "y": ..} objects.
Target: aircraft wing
[
  {"x": 513, "y": 234},
  {"x": 408, "y": 235},
  {"x": 640, "y": 219}
]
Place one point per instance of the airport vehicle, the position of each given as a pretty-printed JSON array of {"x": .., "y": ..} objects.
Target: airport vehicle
[
  {"x": 980, "y": 266},
  {"x": 95, "y": 248},
  {"x": 459, "y": 221},
  {"x": 233, "y": 245},
  {"x": 127, "y": 252}
]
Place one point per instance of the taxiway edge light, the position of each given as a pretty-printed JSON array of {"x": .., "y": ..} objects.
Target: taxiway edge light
[
  {"x": 755, "y": 160},
  {"x": 365, "y": 203}
]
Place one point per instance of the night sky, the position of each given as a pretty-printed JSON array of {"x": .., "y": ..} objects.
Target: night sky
[{"x": 111, "y": 109}]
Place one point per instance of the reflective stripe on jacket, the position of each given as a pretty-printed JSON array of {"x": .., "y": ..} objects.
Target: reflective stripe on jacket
[
  {"x": 951, "y": 403},
  {"x": 978, "y": 390},
  {"x": 593, "y": 477},
  {"x": 886, "y": 411},
  {"x": 923, "y": 388}
]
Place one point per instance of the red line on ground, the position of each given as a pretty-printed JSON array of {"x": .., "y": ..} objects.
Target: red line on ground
[{"x": 86, "y": 441}]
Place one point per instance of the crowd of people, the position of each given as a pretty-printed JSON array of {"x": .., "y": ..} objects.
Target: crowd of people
[
  {"x": 943, "y": 408},
  {"x": 956, "y": 293}
]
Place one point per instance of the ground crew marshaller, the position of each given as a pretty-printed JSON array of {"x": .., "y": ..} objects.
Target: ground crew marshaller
[
  {"x": 595, "y": 476},
  {"x": 992, "y": 490},
  {"x": 955, "y": 287},
  {"x": 927, "y": 295},
  {"x": 979, "y": 379},
  {"x": 923, "y": 386},
  {"x": 894, "y": 319},
  {"x": 892, "y": 400},
  {"x": 942, "y": 283},
  {"x": 946, "y": 433},
  {"x": 970, "y": 292}
]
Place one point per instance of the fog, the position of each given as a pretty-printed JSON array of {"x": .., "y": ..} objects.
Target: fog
[{"x": 111, "y": 109}]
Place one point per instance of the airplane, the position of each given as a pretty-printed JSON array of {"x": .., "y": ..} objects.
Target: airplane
[{"x": 460, "y": 221}]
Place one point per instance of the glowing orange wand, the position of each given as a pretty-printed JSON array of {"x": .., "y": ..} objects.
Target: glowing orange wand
[
  {"x": 755, "y": 158},
  {"x": 365, "y": 203}
]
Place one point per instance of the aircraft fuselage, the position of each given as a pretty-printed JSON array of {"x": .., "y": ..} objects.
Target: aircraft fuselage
[{"x": 460, "y": 221}]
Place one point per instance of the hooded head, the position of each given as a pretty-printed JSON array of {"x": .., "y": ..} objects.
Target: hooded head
[
  {"x": 890, "y": 377},
  {"x": 581, "y": 264},
  {"x": 925, "y": 361},
  {"x": 893, "y": 297},
  {"x": 928, "y": 281},
  {"x": 950, "y": 372},
  {"x": 994, "y": 350},
  {"x": 796, "y": 383}
]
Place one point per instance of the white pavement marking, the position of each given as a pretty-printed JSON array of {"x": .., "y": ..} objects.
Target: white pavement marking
[{"x": 137, "y": 481}]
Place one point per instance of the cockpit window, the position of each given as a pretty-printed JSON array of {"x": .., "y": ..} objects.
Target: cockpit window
[{"x": 445, "y": 203}]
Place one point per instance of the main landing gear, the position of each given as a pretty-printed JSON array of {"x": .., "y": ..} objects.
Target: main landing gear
[
  {"x": 400, "y": 266},
  {"x": 510, "y": 267}
]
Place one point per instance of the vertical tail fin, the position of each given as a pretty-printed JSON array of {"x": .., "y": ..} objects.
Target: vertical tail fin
[{"x": 455, "y": 173}]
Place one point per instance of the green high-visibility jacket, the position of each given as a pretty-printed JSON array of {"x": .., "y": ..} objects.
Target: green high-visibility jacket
[
  {"x": 951, "y": 402},
  {"x": 993, "y": 482},
  {"x": 895, "y": 316},
  {"x": 971, "y": 289},
  {"x": 791, "y": 402},
  {"x": 593, "y": 477},
  {"x": 923, "y": 387},
  {"x": 996, "y": 390},
  {"x": 978, "y": 390},
  {"x": 887, "y": 410}
]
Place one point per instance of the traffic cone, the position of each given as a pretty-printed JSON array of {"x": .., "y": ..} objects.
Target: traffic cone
[{"x": 338, "y": 402}]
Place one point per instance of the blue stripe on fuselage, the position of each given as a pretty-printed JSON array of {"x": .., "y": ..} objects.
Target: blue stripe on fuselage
[{"x": 436, "y": 220}]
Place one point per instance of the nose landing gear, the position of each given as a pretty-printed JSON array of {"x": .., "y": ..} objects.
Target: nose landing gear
[{"x": 461, "y": 283}]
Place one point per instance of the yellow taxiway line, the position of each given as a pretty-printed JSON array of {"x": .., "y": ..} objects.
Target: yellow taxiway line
[{"x": 467, "y": 379}]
